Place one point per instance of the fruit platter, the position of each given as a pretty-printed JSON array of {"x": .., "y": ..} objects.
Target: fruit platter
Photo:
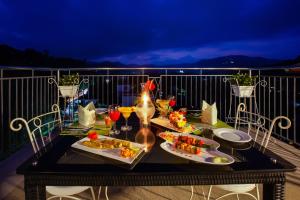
[
  {"x": 176, "y": 122},
  {"x": 121, "y": 150},
  {"x": 195, "y": 148}
]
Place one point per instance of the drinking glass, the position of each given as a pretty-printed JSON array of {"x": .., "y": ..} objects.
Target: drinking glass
[
  {"x": 107, "y": 121},
  {"x": 114, "y": 114},
  {"x": 126, "y": 112},
  {"x": 163, "y": 107}
]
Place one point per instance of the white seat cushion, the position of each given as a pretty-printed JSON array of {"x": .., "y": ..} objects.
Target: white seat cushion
[
  {"x": 237, "y": 188},
  {"x": 65, "y": 190}
]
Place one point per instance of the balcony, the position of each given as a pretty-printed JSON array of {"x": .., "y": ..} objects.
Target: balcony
[{"x": 26, "y": 92}]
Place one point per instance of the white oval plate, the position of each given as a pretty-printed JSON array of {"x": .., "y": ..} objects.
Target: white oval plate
[
  {"x": 232, "y": 135},
  {"x": 207, "y": 156},
  {"x": 206, "y": 140}
]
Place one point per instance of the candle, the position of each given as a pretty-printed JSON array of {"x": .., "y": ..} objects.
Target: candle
[{"x": 145, "y": 107}]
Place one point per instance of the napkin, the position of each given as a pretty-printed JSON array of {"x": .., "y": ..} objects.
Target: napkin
[
  {"x": 209, "y": 113},
  {"x": 87, "y": 115}
]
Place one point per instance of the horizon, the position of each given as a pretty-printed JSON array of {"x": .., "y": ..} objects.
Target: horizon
[{"x": 160, "y": 32}]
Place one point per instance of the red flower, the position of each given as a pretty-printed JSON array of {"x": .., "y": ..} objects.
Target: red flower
[
  {"x": 150, "y": 85},
  {"x": 93, "y": 136},
  {"x": 172, "y": 102}
]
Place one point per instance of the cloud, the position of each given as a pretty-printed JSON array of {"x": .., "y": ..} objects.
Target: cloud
[
  {"x": 273, "y": 48},
  {"x": 158, "y": 30}
]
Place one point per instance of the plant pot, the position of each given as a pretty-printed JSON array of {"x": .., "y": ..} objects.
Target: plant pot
[
  {"x": 242, "y": 91},
  {"x": 68, "y": 91}
]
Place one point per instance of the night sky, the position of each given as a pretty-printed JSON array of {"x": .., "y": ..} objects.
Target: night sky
[{"x": 153, "y": 31}]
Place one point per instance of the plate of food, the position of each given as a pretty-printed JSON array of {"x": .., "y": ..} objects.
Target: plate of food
[
  {"x": 193, "y": 140},
  {"x": 121, "y": 150},
  {"x": 197, "y": 154},
  {"x": 176, "y": 122},
  {"x": 195, "y": 148},
  {"x": 232, "y": 135}
]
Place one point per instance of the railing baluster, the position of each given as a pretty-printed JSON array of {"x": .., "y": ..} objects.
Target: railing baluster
[
  {"x": 280, "y": 101},
  {"x": 186, "y": 92},
  {"x": 287, "y": 105},
  {"x": 9, "y": 111},
  {"x": 1, "y": 113},
  {"x": 191, "y": 92},
  {"x": 295, "y": 104}
]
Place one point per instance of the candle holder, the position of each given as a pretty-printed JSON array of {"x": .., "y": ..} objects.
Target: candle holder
[{"x": 145, "y": 109}]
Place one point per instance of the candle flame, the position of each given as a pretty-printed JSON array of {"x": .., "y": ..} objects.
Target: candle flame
[{"x": 145, "y": 98}]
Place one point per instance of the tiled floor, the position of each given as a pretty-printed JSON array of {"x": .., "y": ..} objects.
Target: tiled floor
[{"x": 11, "y": 185}]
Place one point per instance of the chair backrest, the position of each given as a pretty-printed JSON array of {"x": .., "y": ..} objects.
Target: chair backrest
[
  {"x": 39, "y": 128},
  {"x": 260, "y": 124}
]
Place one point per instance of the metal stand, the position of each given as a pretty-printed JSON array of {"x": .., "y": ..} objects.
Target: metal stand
[
  {"x": 230, "y": 118},
  {"x": 53, "y": 81}
]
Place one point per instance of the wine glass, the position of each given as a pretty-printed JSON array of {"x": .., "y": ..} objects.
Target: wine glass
[
  {"x": 126, "y": 112},
  {"x": 114, "y": 114},
  {"x": 163, "y": 107}
]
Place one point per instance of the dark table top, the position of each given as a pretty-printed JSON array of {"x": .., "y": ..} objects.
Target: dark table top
[{"x": 61, "y": 159}]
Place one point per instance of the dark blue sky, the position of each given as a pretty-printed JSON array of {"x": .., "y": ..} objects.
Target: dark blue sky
[{"x": 153, "y": 31}]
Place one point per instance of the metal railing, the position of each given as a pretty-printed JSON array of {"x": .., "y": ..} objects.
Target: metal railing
[
  {"x": 26, "y": 97},
  {"x": 31, "y": 94}
]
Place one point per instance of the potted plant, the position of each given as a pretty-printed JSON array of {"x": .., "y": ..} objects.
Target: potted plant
[
  {"x": 68, "y": 85},
  {"x": 242, "y": 84}
]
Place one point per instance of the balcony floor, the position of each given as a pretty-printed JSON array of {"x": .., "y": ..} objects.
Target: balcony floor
[{"x": 11, "y": 185}]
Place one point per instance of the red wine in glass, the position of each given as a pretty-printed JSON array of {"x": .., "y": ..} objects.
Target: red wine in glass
[{"x": 114, "y": 115}]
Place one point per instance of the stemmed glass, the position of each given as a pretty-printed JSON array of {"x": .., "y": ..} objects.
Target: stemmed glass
[
  {"x": 163, "y": 107},
  {"x": 114, "y": 114},
  {"x": 126, "y": 112}
]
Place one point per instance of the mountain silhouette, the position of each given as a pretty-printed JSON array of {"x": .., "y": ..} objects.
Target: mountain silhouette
[{"x": 10, "y": 56}]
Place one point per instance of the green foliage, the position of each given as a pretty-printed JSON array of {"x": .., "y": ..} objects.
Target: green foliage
[
  {"x": 71, "y": 79},
  {"x": 242, "y": 79}
]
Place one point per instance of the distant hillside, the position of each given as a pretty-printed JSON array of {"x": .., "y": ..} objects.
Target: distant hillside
[
  {"x": 13, "y": 57},
  {"x": 237, "y": 61},
  {"x": 294, "y": 62}
]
